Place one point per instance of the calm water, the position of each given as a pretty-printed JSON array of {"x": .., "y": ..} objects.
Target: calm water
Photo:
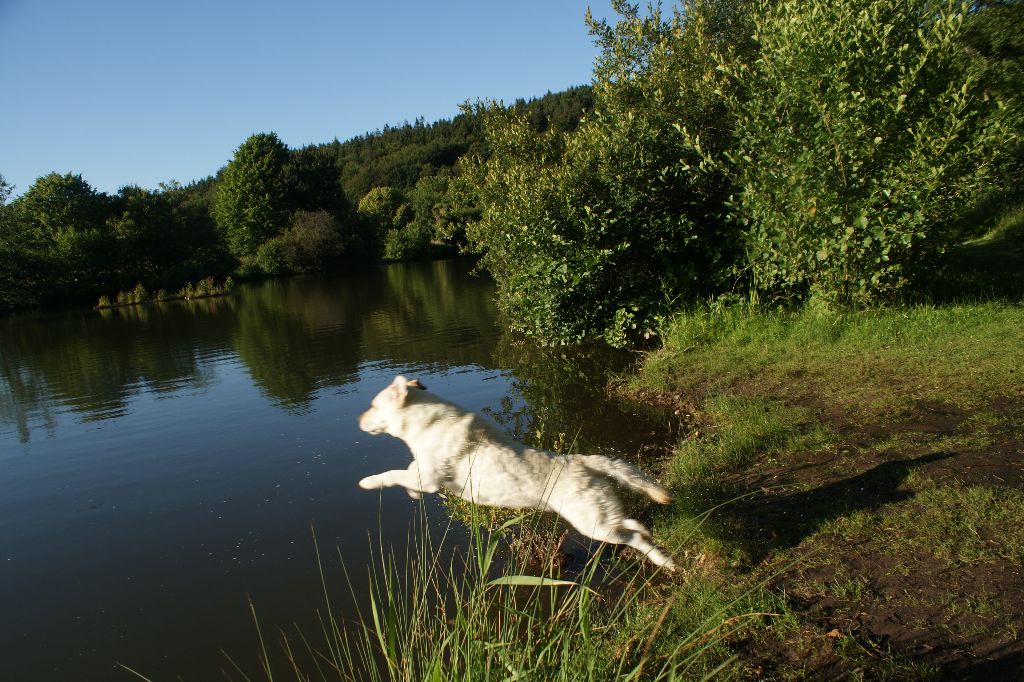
[{"x": 159, "y": 465}]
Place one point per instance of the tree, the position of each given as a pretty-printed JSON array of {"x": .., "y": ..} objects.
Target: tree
[
  {"x": 61, "y": 223},
  {"x": 860, "y": 135},
  {"x": 5, "y": 190},
  {"x": 56, "y": 204},
  {"x": 602, "y": 232},
  {"x": 385, "y": 212},
  {"x": 313, "y": 182},
  {"x": 994, "y": 40},
  {"x": 251, "y": 205},
  {"x": 438, "y": 215},
  {"x": 313, "y": 242}
]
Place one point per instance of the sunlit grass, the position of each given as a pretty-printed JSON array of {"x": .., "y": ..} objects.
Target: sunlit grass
[{"x": 468, "y": 609}]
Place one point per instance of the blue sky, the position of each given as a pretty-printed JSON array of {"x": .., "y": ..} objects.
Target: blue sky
[{"x": 140, "y": 92}]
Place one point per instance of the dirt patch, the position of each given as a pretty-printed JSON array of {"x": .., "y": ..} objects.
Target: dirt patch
[{"x": 864, "y": 602}]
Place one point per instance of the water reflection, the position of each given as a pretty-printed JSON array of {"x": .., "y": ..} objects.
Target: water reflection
[
  {"x": 294, "y": 337},
  {"x": 561, "y": 400},
  {"x": 161, "y": 462}
]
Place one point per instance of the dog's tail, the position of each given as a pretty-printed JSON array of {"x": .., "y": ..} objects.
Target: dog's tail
[{"x": 626, "y": 474}]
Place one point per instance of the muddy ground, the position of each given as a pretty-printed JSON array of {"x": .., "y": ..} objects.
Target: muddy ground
[{"x": 869, "y": 604}]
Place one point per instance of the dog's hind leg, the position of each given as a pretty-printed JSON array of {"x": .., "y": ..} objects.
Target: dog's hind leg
[
  {"x": 607, "y": 525},
  {"x": 633, "y": 524},
  {"x": 633, "y": 533}
]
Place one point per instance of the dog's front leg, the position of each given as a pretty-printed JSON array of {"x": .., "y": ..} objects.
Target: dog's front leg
[{"x": 411, "y": 479}]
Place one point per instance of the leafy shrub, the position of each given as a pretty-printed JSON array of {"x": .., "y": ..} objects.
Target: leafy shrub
[
  {"x": 600, "y": 233},
  {"x": 205, "y": 287},
  {"x": 139, "y": 293},
  {"x": 270, "y": 258},
  {"x": 312, "y": 243},
  {"x": 104, "y": 302},
  {"x": 409, "y": 241},
  {"x": 860, "y": 135}
]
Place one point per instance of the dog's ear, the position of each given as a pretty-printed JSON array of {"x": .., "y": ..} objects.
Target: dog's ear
[{"x": 398, "y": 391}]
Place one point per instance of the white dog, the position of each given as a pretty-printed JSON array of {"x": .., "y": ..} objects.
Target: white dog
[{"x": 473, "y": 458}]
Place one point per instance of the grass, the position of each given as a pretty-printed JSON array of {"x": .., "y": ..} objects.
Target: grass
[
  {"x": 484, "y": 613},
  {"x": 872, "y": 361},
  {"x": 954, "y": 523},
  {"x": 822, "y": 456},
  {"x": 818, "y": 487}
]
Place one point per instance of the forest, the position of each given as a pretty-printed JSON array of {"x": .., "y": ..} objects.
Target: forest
[
  {"x": 725, "y": 150},
  {"x": 778, "y": 152},
  {"x": 270, "y": 211}
]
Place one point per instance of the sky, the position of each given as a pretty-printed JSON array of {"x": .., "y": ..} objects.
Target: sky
[{"x": 142, "y": 92}]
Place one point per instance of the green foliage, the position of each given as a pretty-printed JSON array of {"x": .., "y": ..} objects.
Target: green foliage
[
  {"x": 994, "y": 40},
  {"x": 270, "y": 258},
  {"x": 58, "y": 229},
  {"x": 251, "y": 202},
  {"x": 145, "y": 228},
  {"x": 139, "y": 294},
  {"x": 205, "y": 287},
  {"x": 313, "y": 182},
  {"x": 599, "y": 233},
  {"x": 398, "y": 156},
  {"x": 5, "y": 190},
  {"x": 409, "y": 241},
  {"x": 56, "y": 204},
  {"x": 438, "y": 212},
  {"x": 385, "y": 213},
  {"x": 312, "y": 242},
  {"x": 860, "y": 135}
]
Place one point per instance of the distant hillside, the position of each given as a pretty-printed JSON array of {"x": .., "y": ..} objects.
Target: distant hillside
[
  {"x": 382, "y": 195},
  {"x": 399, "y": 156}
]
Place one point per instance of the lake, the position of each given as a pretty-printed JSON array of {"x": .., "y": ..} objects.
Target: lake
[{"x": 160, "y": 465}]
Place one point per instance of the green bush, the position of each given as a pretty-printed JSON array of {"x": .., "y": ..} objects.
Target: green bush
[
  {"x": 270, "y": 256},
  {"x": 599, "y": 234},
  {"x": 860, "y": 135},
  {"x": 313, "y": 242},
  {"x": 139, "y": 293},
  {"x": 409, "y": 241}
]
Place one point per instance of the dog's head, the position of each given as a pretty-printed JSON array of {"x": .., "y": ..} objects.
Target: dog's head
[{"x": 385, "y": 406}]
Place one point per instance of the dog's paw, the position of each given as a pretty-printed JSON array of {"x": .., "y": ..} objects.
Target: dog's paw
[
  {"x": 414, "y": 494},
  {"x": 370, "y": 483}
]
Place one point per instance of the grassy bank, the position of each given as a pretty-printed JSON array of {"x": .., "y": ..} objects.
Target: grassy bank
[
  {"x": 849, "y": 495},
  {"x": 865, "y": 472}
]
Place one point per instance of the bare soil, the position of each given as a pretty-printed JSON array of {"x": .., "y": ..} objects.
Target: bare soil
[{"x": 865, "y": 608}]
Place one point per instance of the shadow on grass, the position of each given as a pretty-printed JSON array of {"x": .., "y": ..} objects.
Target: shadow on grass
[
  {"x": 988, "y": 267},
  {"x": 998, "y": 667},
  {"x": 775, "y": 519}
]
